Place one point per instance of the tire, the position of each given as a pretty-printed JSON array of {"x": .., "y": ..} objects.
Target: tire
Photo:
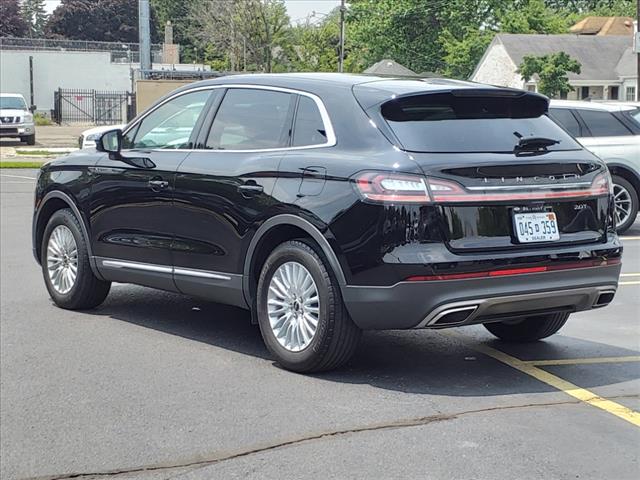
[
  {"x": 623, "y": 189},
  {"x": 86, "y": 291},
  {"x": 528, "y": 329},
  {"x": 336, "y": 336},
  {"x": 29, "y": 139}
]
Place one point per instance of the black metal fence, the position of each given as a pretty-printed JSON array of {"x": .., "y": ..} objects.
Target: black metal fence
[{"x": 92, "y": 107}]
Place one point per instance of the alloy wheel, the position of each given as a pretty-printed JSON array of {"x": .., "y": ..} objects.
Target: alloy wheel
[
  {"x": 62, "y": 259},
  {"x": 622, "y": 199},
  {"x": 293, "y": 306}
]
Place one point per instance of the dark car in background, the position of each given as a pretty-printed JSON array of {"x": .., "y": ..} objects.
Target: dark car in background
[{"x": 329, "y": 204}]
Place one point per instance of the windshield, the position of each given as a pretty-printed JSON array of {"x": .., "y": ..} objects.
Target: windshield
[
  {"x": 445, "y": 123},
  {"x": 14, "y": 103}
]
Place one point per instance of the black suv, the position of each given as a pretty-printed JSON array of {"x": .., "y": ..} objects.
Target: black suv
[{"x": 327, "y": 204}]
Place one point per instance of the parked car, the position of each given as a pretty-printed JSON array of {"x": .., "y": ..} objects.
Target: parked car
[
  {"x": 327, "y": 204},
  {"x": 611, "y": 131},
  {"x": 16, "y": 119},
  {"x": 88, "y": 137}
]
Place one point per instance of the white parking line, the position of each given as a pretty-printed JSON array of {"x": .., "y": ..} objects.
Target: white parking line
[
  {"x": 17, "y": 176},
  {"x": 626, "y": 239}
]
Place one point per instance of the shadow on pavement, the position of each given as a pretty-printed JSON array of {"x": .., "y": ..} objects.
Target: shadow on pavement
[{"x": 420, "y": 361}]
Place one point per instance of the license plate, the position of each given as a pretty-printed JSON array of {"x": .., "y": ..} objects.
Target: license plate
[{"x": 536, "y": 227}]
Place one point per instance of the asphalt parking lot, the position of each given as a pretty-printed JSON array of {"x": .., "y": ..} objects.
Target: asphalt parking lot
[{"x": 156, "y": 386}]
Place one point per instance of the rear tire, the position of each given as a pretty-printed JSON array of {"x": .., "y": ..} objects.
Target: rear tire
[
  {"x": 528, "y": 329},
  {"x": 79, "y": 292},
  {"x": 330, "y": 337},
  {"x": 626, "y": 199}
]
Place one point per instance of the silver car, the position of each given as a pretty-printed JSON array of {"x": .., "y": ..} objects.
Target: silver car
[{"x": 611, "y": 131}]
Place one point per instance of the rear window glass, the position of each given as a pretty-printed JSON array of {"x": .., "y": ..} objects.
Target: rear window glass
[{"x": 448, "y": 123}]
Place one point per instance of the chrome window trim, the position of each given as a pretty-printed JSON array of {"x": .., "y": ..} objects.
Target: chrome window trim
[
  {"x": 150, "y": 267},
  {"x": 324, "y": 114}
]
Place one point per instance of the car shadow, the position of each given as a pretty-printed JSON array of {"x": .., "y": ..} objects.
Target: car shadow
[{"x": 414, "y": 361}]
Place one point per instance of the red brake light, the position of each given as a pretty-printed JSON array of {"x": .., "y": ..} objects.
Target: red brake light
[{"x": 505, "y": 272}]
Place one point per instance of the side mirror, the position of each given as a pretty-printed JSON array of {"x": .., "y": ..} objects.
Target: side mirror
[
  {"x": 111, "y": 143},
  {"x": 33, "y": 108}
]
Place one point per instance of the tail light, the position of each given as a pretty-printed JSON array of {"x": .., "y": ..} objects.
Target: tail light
[
  {"x": 387, "y": 187},
  {"x": 392, "y": 187}
]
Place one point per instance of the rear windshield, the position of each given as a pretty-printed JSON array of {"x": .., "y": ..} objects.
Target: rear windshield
[
  {"x": 446, "y": 123},
  {"x": 13, "y": 103}
]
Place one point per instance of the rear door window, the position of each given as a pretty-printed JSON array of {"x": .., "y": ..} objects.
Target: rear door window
[
  {"x": 603, "y": 124},
  {"x": 251, "y": 119},
  {"x": 566, "y": 120},
  {"x": 447, "y": 123}
]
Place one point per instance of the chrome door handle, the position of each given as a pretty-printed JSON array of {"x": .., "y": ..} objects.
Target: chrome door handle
[
  {"x": 158, "y": 184},
  {"x": 251, "y": 189}
]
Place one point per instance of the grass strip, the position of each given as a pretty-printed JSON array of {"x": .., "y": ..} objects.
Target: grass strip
[{"x": 21, "y": 164}]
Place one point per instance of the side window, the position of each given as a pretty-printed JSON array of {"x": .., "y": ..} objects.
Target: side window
[
  {"x": 566, "y": 120},
  {"x": 603, "y": 124},
  {"x": 308, "y": 128},
  {"x": 170, "y": 125},
  {"x": 250, "y": 119}
]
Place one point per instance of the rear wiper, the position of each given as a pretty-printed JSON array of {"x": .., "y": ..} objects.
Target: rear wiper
[{"x": 533, "y": 144}]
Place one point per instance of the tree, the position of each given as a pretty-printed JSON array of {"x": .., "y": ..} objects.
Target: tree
[
  {"x": 177, "y": 12},
  {"x": 314, "y": 45},
  {"x": 534, "y": 17},
  {"x": 35, "y": 16},
  {"x": 552, "y": 70},
  {"x": 250, "y": 32},
  {"x": 12, "y": 23},
  {"x": 97, "y": 20},
  {"x": 462, "y": 55}
]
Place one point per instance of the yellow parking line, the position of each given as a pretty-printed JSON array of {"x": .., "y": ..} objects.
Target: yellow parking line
[
  {"x": 569, "y": 388},
  {"x": 636, "y": 282},
  {"x": 630, "y": 274},
  {"x": 583, "y": 361},
  {"x": 630, "y": 238}
]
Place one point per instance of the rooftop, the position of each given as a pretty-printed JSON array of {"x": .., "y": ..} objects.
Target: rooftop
[{"x": 599, "y": 56}]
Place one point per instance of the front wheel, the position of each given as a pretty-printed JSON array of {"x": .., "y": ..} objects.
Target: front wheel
[
  {"x": 626, "y": 202},
  {"x": 528, "y": 329},
  {"x": 65, "y": 265},
  {"x": 303, "y": 320},
  {"x": 29, "y": 139}
]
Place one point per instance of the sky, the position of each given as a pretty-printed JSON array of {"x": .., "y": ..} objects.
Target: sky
[{"x": 298, "y": 10}]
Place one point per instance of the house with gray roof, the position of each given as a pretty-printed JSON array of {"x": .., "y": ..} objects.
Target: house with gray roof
[
  {"x": 608, "y": 65},
  {"x": 389, "y": 67}
]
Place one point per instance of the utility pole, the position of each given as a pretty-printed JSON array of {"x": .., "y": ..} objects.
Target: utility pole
[
  {"x": 341, "y": 58},
  {"x": 144, "y": 34},
  {"x": 637, "y": 37}
]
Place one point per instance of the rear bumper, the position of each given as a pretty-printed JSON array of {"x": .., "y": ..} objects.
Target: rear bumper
[{"x": 439, "y": 304}]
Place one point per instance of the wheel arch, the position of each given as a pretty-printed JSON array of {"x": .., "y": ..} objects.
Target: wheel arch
[
  {"x": 625, "y": 172},
  {"x": 51, "y": 203},
  {"x": 272, "y": 232}
]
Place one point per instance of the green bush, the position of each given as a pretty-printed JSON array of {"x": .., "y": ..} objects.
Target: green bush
[{"x": 40, "y": 119}]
